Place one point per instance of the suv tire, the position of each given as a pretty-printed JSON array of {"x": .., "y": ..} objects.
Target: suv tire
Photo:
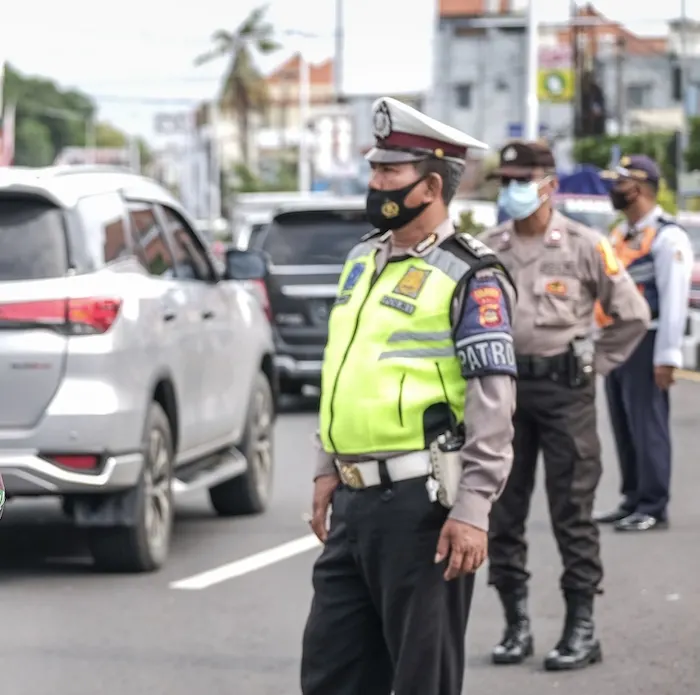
[
  {"x": 144, "y": 546},
  {"x": 291, "y": 387},
  {"x": 250, "y": 493}
]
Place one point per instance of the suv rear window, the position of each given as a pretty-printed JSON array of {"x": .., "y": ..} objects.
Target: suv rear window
[
  {"x": 32, "y": 240},
  {"x": 315, "y": 237}
]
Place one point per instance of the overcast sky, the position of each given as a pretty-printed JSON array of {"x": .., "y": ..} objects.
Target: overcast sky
[{"x": 136, "y": 57}]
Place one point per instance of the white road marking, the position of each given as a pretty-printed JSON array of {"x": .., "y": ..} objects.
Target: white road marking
[
  {"x": 248, "y": 564},
  {"x": 688, "y": 375}
]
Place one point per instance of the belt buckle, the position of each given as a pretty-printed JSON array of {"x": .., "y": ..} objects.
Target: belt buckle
[{"x": 350, "y": 475}]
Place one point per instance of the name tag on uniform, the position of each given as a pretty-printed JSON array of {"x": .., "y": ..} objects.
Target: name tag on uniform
[{"x": 398, "y": 304}]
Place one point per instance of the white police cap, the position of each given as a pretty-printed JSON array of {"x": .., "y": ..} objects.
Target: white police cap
[{"x": 403, "y": 134}]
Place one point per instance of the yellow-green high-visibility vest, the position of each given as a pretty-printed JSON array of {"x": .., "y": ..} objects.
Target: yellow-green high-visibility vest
[{"x": 390, "y": 353}]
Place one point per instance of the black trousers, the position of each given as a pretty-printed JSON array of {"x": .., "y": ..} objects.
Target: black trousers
[
  {"x": 640, "y": 416},
  {"x": 561, "y": 422},
  {"x": 383, "y": 619}
]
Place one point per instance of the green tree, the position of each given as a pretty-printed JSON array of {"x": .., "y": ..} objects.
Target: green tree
[
  {"x": 33, "y": 146},
  {"x": 49, "y": 119},
  {"x": 596, "y": 150},
  {"x": 244, "y": 90}
]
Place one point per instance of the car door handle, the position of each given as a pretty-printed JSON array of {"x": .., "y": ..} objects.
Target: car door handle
[
  {"x": 207, "y": 315},
  {"x": 169, "y": 316}
]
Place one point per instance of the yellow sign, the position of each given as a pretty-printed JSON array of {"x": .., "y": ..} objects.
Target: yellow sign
[{"x": 555, "y": 85}]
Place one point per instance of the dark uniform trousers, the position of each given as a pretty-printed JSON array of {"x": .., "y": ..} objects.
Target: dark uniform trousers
[
  {"x": 383, "y": 619},
  {"x": 639, "y": 412},
  {"x": 560, "y": 421}
]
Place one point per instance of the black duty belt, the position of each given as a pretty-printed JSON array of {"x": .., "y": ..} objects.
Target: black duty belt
[{"x": 533, "y": 367}]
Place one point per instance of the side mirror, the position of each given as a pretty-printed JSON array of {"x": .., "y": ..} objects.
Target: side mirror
[{"x": 245, "y": 265}]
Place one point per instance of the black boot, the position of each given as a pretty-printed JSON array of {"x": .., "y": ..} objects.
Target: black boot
[
  {"x": 578, "y": 646},
  {"x": 517, "y": 643}
]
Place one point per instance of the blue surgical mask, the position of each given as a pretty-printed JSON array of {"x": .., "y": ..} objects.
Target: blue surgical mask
[{"x": 521, "y": 199}]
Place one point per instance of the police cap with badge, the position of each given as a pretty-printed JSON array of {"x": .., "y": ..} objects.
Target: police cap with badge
[
  {"x": 636, "y": 167},
  {"x": 402, "y": 135},
  {"x": 518, "y": 160}
]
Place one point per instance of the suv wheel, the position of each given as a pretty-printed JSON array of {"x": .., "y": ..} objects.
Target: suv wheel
[
  {"x": 250, "y": 492},
  {"x": 144, "y": 546}
]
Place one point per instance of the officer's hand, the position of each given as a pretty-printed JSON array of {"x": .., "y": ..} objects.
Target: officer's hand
[
  {"x": 324, "y": 486},
  {"x": 465, "y": 545},
  {"x": 664, "y": 376}
]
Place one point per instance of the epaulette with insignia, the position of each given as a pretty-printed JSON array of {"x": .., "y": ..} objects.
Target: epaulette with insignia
[
  {"x": 371, "y": 235},
  {"x": 473, "y": 245}
]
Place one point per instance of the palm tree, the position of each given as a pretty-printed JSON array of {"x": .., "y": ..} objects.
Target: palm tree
[{"x": 244, "y": 90}]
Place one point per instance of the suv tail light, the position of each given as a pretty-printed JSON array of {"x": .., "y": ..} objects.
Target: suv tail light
[
  {"x": 261, "y": 291},
  {"x": 85, "y": 316}
]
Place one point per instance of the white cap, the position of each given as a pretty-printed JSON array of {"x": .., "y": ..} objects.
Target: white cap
[{"x": 403, "y": 134}]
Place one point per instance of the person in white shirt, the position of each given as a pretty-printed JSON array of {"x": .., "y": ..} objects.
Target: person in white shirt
[{"x": 658, "y": 255}]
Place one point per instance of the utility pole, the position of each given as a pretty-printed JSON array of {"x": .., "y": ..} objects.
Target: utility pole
[
  {"x": 304, "y": 171},
  {"x": 532, "y": 104},
  {"x": 620, "y": 79},
  {"x": 338, "y": 74},
  {"x": 683, "y": 135}
]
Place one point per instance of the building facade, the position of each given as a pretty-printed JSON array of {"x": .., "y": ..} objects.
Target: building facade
[{"x": 480, "y": 73}]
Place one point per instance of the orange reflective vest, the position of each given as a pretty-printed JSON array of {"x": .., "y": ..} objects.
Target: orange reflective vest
[{"x": 639, "y": 263}]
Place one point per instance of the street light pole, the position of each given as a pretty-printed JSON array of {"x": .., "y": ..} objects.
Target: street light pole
[{"x": 532, "y": 104}]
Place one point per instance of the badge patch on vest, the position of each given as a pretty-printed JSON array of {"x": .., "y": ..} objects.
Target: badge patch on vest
[
  {"x": 353, "y": 277},
  {"x": 555, "y": 287},
  {"x": 343, "y": 299},
  {"x": 397, "y": 304},
  {"x": 490, "y": 315},
  {"x": 411, "y": 284}
]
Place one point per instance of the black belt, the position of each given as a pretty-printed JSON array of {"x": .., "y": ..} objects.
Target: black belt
[{"x": 534, "y": 367}]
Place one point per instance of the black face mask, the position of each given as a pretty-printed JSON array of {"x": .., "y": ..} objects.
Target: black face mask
[
  {"x": 386, "y": 209},
  {"x": 620, "y": 200}
]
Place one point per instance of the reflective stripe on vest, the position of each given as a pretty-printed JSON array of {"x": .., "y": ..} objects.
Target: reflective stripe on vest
[
  {"x": 639, "y": 263},
  {"x": 390, "y": 353}
]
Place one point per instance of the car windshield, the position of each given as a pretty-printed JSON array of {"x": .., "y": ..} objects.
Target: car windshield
[
  {"x": 314, "y": 237},
  {"x": 32, "y": 240}
]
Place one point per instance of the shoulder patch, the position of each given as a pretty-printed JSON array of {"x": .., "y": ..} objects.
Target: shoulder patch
[
  {"x": 607, "y": 254},
  {"x": 483, "y": 339},
  {"x": 473, "y": 245}
]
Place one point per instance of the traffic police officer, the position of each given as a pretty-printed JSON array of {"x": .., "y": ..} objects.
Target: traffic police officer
[
  {"x": 560, "y": 269},
  {"x": 658, "y": 255},
  {"x": 419, "y": 353}
]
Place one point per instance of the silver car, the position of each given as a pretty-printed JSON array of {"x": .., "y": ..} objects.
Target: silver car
[{"x": 130, "y": 370}]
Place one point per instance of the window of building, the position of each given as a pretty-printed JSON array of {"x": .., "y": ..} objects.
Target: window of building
[
  {"x": 463, "y": 95},
  {"x": 639, "y": 96},
  {"x": 152, "y": 248}
]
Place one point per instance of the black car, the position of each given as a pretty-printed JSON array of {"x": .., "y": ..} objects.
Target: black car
[{"x": 305, "y": 245}]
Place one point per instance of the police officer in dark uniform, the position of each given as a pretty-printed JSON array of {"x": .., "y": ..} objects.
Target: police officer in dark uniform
[
  {"x": 560, "y": 269},
  {"x": 417, "y": 398}
]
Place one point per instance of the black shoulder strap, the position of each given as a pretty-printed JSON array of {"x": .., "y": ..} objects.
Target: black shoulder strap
[
  {"x": 480, "y": 257},
  {"x": 668, "y": 222},
  {"x": 371, "y": 235}
]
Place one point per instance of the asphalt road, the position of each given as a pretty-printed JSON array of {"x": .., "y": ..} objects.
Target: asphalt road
[{"x": 70, "y": 631}]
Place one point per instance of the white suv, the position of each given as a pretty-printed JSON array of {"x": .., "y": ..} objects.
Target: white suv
[{"x": 130, "y": 370}]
